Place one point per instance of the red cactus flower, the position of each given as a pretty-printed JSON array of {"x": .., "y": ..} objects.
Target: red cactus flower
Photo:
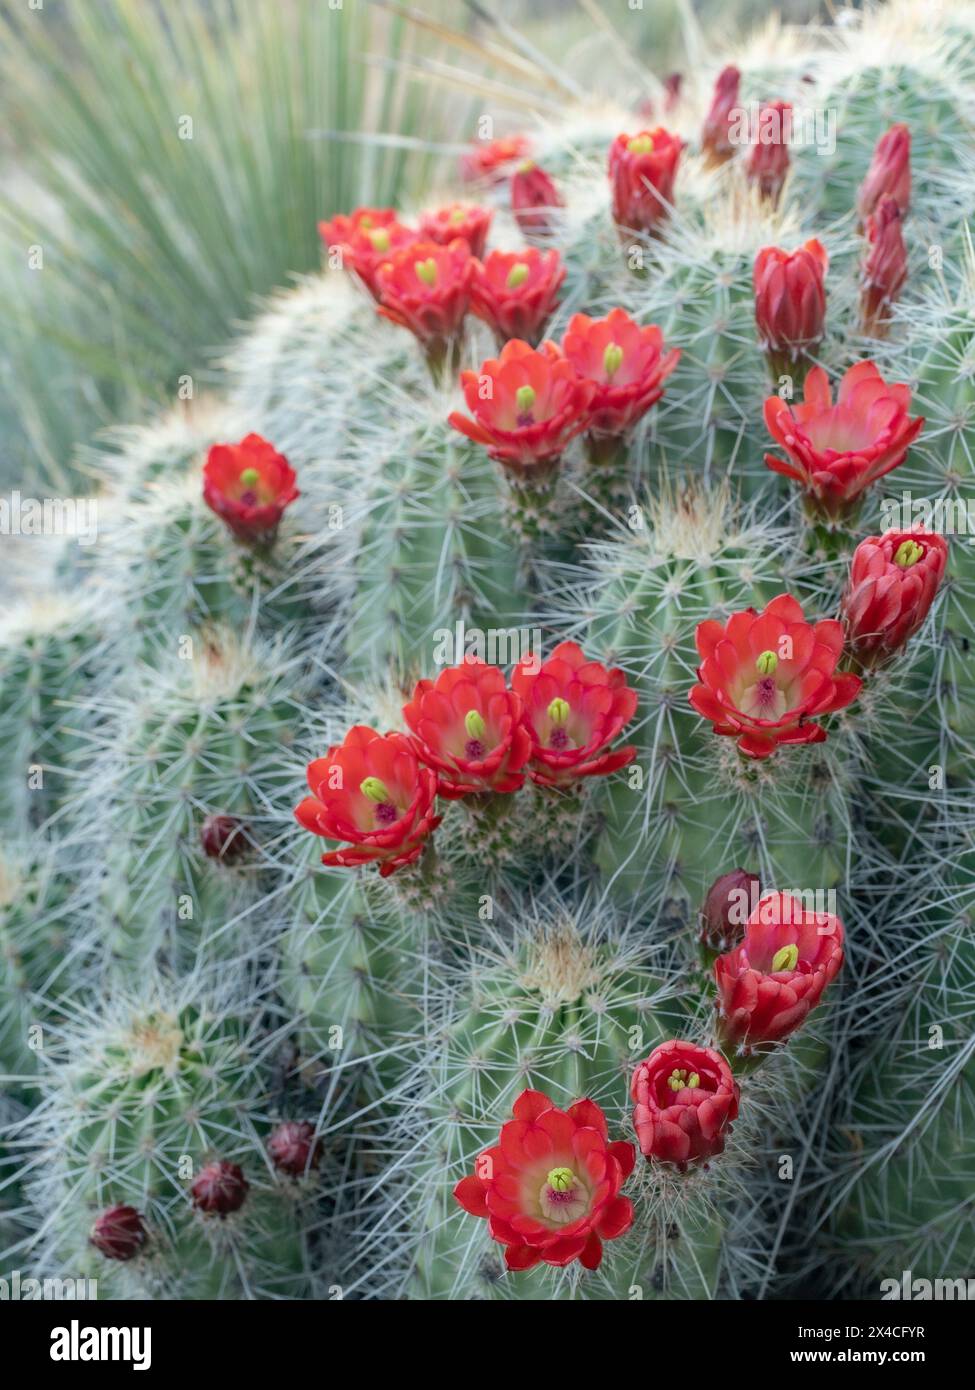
[
  {"x": 686, "y": 1099},
  {"x": 220, "y": 1188},
  {"x": 249, "y": 485},
  {"x": 517, "y": 292},
  {"x": 790, "y": 302},
  {"x": 224, "y": 837},
  {"x": 627, "y": 363},
  {"x": 893, "y": 581},
  {"x": 293, "y": 1148},
  {"x": 768, "y": 159},
  {"x": 573, "y": 709},
  {"x": 727, "y": 907},
  {"x": 118, "y": 1233},
  {"x": 836, "y": 451},
  {"x": 426, "y": 288},
  {"x": 527, "y": 406},
  {"x": 371, "y": 793},
  {"x": 533, "y": 198},
  {"x": 469, "y": 221},
  {"x": 642, "y": 170},
  {"x": 765, "y": 676},
  {"x": 365, "y": 240},
  {"x": 768, "y": 984},
  {"x": 716, "y": 134},
  {"x": 488, "y": 159},
  {"x": 466, "y": 726},
  {"x": 549, "y": 1188},
  {"x": 884, "y": 267},
  {"x": 889, "y": 173}
]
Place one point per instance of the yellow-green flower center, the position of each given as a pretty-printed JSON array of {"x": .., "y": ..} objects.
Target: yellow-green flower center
[
  {"x": 561, "y": 1179},
  {"x": 767, "y": 664},
  {"x": 678, "y": 1079},
  {"x": 474, "y": 724},
  {"x": 559, "y": 711},
  {"x": 250, "y": 476},
  {"x": 640, "y": 144},
  {"x": 612, "y": 359},
  {"x": 427, "y": 270},
  {"x": 375, "y": 790},
  {"x": 379, "y": 239},
  {"x": 517, "y": 275},
  {"x": 785, "y": 959},
  {"x": 907, "y": 554},
  {"x": 524, "y": 398}
]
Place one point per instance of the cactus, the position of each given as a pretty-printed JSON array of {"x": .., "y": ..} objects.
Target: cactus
[{"x": 518, "y": 849}]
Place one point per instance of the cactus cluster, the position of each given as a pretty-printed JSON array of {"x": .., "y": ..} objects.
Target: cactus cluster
[{"x": 640, "y": 961}]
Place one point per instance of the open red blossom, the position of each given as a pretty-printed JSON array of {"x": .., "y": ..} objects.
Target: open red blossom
[
  {"x": 768, "y": 984},
  {"x": 534, "y": 197},
  {"x": 718, "y": 123},
  {"x": 765, "y": 676},
  {"x": 249, "y": 485},
  {"x": 627, "y": 363},
  {"x": 768, "y": 160},
  {"x": 467, "y": 728},
  {"x": 365, "y": 240},
  {"x": 371, "y": 793},
  {"x": 642, "y": 170},
  {"x": 527, "y": 406},
  {"x": 889, "y": 173},
  {"x": 893, "y": 581},
  {"x": 884, "y": 267},
  {"x": 549, "y": 1188},
  {"x": 488, "y": 159},
  {"x": 426, "y": 288},
  {"x": 836, "y": 451},
  {"x": 573, "y": 709},
  {"x": 517, "y": 292},
  {"x": 469, "y": 221},
  {"x": 685, "y": 1100},
  {"x": 790, "y": 301}
]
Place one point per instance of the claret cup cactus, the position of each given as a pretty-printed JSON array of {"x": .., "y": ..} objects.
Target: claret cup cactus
[{"x": 491, "y": 817}]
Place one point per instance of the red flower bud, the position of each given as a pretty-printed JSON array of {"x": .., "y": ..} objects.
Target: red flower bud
[
  {"x": 835, "y": 452},
  {"x": 626, "y": 363},
  {"x": 716, "y": 133},
  {"x": 893, "y": 581},
  {"x": 672, "y": 85},
  {"x": 771, "y": 982},
  {"x": 889, "y": 173},
  {"x": 224, "y": 837},
  {"x": 118, "y": 1233},
  {"x": 371, "y": 792},
  {"x": 790, "y": 302},
  {"x": 573, "y": 710},
  {"x": 549, "y": 1188},
  {"x": 249, "y": 485},
  {"x": 727, "y": 907},
  {"x": 765, "y": 676},
  {"x": 517, "y": 292},
  {"x": 488, "y": 159},
  {"x": 293, "y": 1148},
  {"x": 768, "y": 160},
  {"x": 365, "y": 240},
  {"x": 426, "y": 288},
  {"x": 220, "y": 1188},
  {"x": 884, "y": 267},
  {"x": 534, "y": 196},
  {"x": 468, "y": 221},
  {"x": 642, "y": 170},
  {"x": 686, "y": 1099}
]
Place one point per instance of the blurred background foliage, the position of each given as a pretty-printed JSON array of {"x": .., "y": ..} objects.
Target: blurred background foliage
[{"x": 165, "y": 163}]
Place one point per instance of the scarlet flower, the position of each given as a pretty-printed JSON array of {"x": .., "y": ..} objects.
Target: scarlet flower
[
  {"x": 118, "y": 1233},
  {"x": 426, "y": 288},
  {"x": 765, "y": 676},
  {"x": 889, "y": 173},
  {"x": 517, "y": 292},
  {"x": 466, "y": 726},
  {"x": 884, "y": 266},
  {"x": 716, "y": 133},
  {"x": 220, "y": 1188},
  {"x": 768, "y": 161},
  {"x": 573, "y": 709},
  {"x": 627, "y": 363},
  {"x": 790, "y": 301},
  {"x": 642, "y": 169},
  {"x": 469, "y": 221},
  {"x": 293, "y": 1148},
  {"x": 365, "y": 240},
  {"x": 727, "y": 907},
  {"x": 488, "y": 159},
  {"x": 249, "y": 485},
  {"x": 775, "y": 978},
  {"x": 893, "y": 581},
  {"x": 836, "y": 451},
  {"x": 686, "y": 1099},
  {"x": 527, "y": 406},
  {"x": 371, "y": 793},
  {"x": 533, "y": 197},
  {"x": 549, "y": 1188}
]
